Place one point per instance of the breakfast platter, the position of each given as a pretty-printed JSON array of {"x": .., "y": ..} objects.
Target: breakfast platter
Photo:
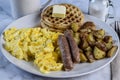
[{"x": 65, "y": 44}]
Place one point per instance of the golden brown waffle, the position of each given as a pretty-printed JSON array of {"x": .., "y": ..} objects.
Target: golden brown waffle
[
  {"x": 73, "y": 15},
  {"x": 51, "y": 29}
]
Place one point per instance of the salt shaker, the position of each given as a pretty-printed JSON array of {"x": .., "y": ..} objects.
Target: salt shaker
[{"x": 99, "y": 8}]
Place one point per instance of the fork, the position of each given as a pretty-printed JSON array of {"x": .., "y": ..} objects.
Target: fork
[
  {"x": 116, "y": 64},
  {"x": 117, "y": 28}
]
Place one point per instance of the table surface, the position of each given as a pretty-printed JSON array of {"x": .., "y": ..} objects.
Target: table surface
[{"x": 9, "y": 71}]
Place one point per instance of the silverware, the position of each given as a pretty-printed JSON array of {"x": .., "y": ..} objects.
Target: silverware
[
  {"x": 115, "y": 71},
  {"x": 117, "y": 28}
]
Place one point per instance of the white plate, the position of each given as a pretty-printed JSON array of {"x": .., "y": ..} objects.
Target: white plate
[{"x": 79, "y": 69}]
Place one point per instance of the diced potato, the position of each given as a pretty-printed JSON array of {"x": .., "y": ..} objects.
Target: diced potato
[
  {"x": 77, "y": 35},
  {"x": 101, "y": 45},
  {"x": 83, "y": 34},
  {"x": 99, "y": 33},
  {"x": 99, "y": 40},
  {"x": 112, "y": 51},
  {"x": 85, "y": 30},
  {"x": 98, "y": 54},
  {"x": 108, "y": 39},
  {"x": 89, "y": 25},
  {"x": 75, "y": 27},
  {"x": 84, "y": 44},
  {"x": 91, "y": 39},
  {"x": 108, "y": 42},
  {"x": 77, "y": 38},
  {"x": 102, "y": 32},
  {"x": 90, "y": 56},
  {"x": 109, "y": 45},
  {"x": 88, "y": 48},
  {"x": 83, "y": 57}
]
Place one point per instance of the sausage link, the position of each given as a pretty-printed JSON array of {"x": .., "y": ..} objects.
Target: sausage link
[
  {"x": 73, "y": 46},
  {"x": 65, "y": 52}
]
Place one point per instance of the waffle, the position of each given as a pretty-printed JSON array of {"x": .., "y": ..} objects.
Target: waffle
[
  {"x": 73, "y": 15},
  {"x": 51, "y": 29}
]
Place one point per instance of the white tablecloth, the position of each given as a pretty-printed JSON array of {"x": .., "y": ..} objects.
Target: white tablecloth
[{"x": 10, "y": 72}]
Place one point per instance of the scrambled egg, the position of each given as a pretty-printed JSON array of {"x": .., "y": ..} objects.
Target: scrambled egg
[{"x": 35, "y": 44}]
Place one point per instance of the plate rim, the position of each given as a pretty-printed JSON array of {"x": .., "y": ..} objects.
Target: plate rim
[{"x": 67, "y": 76}]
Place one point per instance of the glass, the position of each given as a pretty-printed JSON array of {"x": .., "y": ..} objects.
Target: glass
[
  {"x": 23, "y": 7},
  {"x": 100, "y": 9}
]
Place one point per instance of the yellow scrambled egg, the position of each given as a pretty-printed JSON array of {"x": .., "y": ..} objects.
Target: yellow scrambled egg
[{"x": 35, "y": 44}]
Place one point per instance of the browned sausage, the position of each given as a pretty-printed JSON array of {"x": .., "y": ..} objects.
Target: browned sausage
[
  {"x": 73, "y": 46},
  {"x": 65, "y": 52}
]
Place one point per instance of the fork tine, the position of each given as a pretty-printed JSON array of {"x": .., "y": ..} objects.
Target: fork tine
[{"x": 117, "y": 28}]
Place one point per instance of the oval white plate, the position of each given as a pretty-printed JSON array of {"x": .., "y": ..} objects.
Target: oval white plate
[{"x": 79, "y": 69}]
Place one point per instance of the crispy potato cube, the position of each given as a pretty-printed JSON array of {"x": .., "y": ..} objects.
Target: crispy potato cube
[
  {"x": 83, "y": 58},
  {"x": 77, "y": 35},
  {"x": 108, "y": 39},
  {"x": 85, "y": 30},
  {"x": 75, "y": 27},
  {"x": 91, "y": 39},
  {"x": 112, "y": 51},
  {"x": 108, "y": 42},
  {"x": 77, "y": 38},
  {"x": 99, "y": 33},
  {"x": 109, "y": 45},
  {"x": 99, "y": 40},
  {"x": 101, "y": 45},
  {"x": 89, "y": 25},
  {"x": 98, "y": 53},
  {"x": 84, "y": 44},
  {"x": 83, "y": 35},
  {"x": 88, "y": 48},
  {"x": 90, "y": 56}
]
